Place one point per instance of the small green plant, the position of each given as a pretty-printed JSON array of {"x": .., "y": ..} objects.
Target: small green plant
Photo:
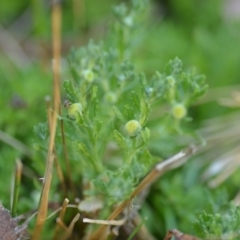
[
  {"x": 121, "y": 117},
  {"x": 110, "y": 108},
  {"x": 222, "y": 225},
  {"x": 113, "y": 158}
]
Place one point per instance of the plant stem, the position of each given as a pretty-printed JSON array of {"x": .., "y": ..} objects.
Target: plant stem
[
  {"x": 56, "y": 40},
  {"x": 17, "y": 180}
]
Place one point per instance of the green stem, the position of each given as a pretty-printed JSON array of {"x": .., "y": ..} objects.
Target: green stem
[{"x": 131, "y": 153}]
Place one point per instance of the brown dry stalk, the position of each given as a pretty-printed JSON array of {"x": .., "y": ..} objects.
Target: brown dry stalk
[
  {"x": 105, "y": 222},
  {"x": 49, "y": 111},
  {"x": 58, "y": 168},
  {"x": 18, "y": 174},
  {"x": 65, "y": 154},
  {"x": 61, "y": 216},
  {"x": 159, "y": 169},
  {"x": 179, "y": 235},
  {"x": 69, "y": 230},
  {"x": 43, "y": 205}
]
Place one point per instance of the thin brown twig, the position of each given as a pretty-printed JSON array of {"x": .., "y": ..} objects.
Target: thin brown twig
[
  {"x": 66, "y": 158},
  {"x": 58, "y": 168},
  {"x": 105, "y": 222},
  {"x": 179, "y": 235},
  {"x": 43, "y": 205},
  {"x": 61, "y": 216},
  {"x": 69, "y": 230},
  {"x": 17, "y": 181}
]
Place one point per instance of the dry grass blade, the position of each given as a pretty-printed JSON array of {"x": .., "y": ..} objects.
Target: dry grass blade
[
  {"x": 58, "y": 168},
  {"x": 224, "y": 175},
  {"x": 61, "y": 216},
  {"x": 162, "y": 167},
  {"x": 222, "y": 134},
  {"x": 105, "y": 222},
  {"x": 16, "y": 144},
  {"x": 42, "y": 212},
  {"x": 18, "y": 174},
  {"x": 222, "y": 163},
  {"x": 69, "y": 230},
  {"x": 65, "y": 154},
  {"x": 13, "y": 50},
  {"x": 233, "y": 101},
  {"x": 237, "y": 199}
]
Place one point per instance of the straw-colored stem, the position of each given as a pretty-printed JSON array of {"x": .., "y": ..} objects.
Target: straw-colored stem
[
  {"x": 17, "y": 181},
  {"x": 61, "y": 216},
  {"x": 43, "y": 205},
  {"x": 69, "y": 230},
  {"x": 78, "y": 14},
  {"x": 66, "y": 158},
  {"x": 58, "y": 168}
]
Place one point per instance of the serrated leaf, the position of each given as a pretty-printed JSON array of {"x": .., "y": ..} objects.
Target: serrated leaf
[
  {"x": 94, "y": 92},
  {"x": 81, "y": 147},
  {"x": 145, "y": 135},
  {"x": 119, "y": 114},
  {"x": 136, "y": 100},
  {"x": 41, "y": 130},
  {"x": 100, "y": 185},
  {"x": 120, "y": 139},
  {"x": 97, "y": 125},
  {"x": 91, "y": 110},
  {"x": 70, "y": 91},
  {"x": 145, "y": 111}
]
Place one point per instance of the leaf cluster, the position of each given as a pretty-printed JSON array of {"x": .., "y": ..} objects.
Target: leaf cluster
[{"x": 111, "y": 92}]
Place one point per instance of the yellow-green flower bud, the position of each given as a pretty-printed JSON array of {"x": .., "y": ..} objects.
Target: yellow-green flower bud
[
  {"x": 110, "y": 97},
  {"x": 74, "y": 109},
  {"x": 128, "y": 21},
  {"x": 179, "y": 111},
  {"x": 133, "y": 128},
  {"x": 88, "y": 75}
]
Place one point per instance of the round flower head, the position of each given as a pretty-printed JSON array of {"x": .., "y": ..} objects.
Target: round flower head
[
  {"x": 88, "y": 75},
  {"x": 133, "y": 128},
  {"x": 74, "y": 109},
  {"x": 179, "y": 111}
]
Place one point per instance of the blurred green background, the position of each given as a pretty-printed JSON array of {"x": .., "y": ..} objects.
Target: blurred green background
[
  {"x": 204, "y": 34},
  {"x": 25, "y": 69}
]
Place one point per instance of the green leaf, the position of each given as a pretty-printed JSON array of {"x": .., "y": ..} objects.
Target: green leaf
[
  {"x": 136, "y": 230},
  {"x": 82, "y": 149},
  {"x": 70, "y": 90},
  {"x": 119, "y": 115},
  {"x": 145, "y": 111},
  {"x": 122, "y": 141},
  {"x": 41, "y": 130},
  {"x": 145, "y": 135},
  {"x": 97, "y": 126},
  {"x": 136, "y": 100}
]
